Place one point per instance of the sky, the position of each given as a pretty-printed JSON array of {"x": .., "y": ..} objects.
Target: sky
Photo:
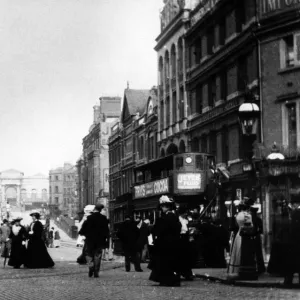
[{"x": 57, "y": 57}]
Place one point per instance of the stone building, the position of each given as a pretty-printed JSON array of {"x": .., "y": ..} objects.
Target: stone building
[
  {"x": 127, "y": 146},
  {"x": 93, "y": 166},
  {"x": 172, "y": 97},
  {"x": 23, "y": 192},
  {"x": 63, "y": 192}
]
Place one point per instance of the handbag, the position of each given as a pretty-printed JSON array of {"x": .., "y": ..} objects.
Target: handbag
[{"x": 247, "y": 230}]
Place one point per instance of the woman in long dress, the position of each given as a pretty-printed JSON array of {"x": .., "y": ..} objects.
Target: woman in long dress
[
  {"x": 166, "y": 233},
  {"x": 242, "y": 264},
  {"x": 18, "y": 238},
  {"x": 37, "y": 255}
]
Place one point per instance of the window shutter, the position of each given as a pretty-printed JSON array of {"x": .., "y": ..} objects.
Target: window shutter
[{"x": 297, "y": 48}]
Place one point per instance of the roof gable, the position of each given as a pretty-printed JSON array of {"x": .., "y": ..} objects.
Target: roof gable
[{"x": 134, "y": 102}]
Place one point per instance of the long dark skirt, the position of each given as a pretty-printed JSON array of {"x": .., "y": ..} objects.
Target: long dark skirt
[
  {"x": 164, "y": 266},
  {"x": 186, "y": 257},
  {"x": 17, "y": 254},
  {"x": 37, "y": 255}
]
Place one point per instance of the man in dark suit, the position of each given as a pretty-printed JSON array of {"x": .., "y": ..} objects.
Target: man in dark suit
[
  {"x": 129, "y": 234},
  {"x": 95, "y": 229}
]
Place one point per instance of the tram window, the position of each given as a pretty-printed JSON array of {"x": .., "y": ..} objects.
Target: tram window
[
  {"x": 199, "y": 162},
  {"x": 179, "y": 163},
  {"x": 211, "y": 161}
]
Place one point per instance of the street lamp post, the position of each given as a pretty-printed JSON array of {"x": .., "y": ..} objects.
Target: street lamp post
[{"x": 249, "y": 119}]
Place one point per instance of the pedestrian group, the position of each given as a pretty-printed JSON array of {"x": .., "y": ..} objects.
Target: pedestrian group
[{"x": 24, "y": 246}]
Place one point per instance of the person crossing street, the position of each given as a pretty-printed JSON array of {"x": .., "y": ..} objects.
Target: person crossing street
[{"x": 96, "y": 231}]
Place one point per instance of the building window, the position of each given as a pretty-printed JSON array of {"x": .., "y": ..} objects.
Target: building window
[
  {"x": 180, "y": 57},
  {"x": 161, "y": 70},
  {"x": 195, "y": 145},
  {"x": 210, "y": 40},
  {"x": 174, "y": 107},
  {"x": 141, "y": 147},
  {"x": 168, "y": 111},
  {"x": 162, "y": 117},
  {"x": 212, "y": 91},
  {"x": 225, "y": 148},
  {"x": 56, "y": 189},
  {"x": 291, "y": 125},
  {"x": 204, "y": 143},
  {"x": 198, "y": 52},
  {"x": 181, "y": 104},
  {"x": 290, "y": 51},
  {"x": 173, "y": 61},
  {"x": 230, "y": 24},
  {"x": 56, "y": 178},
  {"x": 198, "y": 99},
  {"x": 56, "y": 200}
]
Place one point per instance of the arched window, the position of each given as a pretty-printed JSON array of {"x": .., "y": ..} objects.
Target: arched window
[
  {"x": 161, "y": 71},
  {"x": 167, "y": 67},
  {"x": 173, "y": 61},
  {"x": 141, "y": 150},
  {"x": 172, "y": 149},
  {"x": 195, "y": 145},
  {"x": 180, "y": 58},
  {"x": 151, "y": 146}
]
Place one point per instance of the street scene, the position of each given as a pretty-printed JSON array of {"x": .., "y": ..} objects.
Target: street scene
[{"x": 150, "y": 149}]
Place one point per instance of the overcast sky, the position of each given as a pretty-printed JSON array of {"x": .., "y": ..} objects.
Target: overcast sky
[{"x": 57, "y": 57}]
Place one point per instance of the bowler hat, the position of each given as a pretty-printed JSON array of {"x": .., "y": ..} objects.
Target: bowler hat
[{"x": 99, "y": 207}]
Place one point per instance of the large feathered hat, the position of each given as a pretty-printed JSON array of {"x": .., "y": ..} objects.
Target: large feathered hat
[{"x": 165, "y": 200}]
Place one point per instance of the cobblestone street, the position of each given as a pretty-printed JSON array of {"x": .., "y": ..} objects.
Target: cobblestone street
[{"x": 70, "y": 281}]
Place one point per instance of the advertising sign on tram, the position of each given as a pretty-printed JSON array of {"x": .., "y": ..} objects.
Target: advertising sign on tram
[
  {"x": 152, "y": 188},
  {"x": 189, "y": 183}
]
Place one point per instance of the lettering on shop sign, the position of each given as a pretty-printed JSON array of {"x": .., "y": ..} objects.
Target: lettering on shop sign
[
  {"x": 271, "y": 7},
  {"x": 189, "y": 181},
  {"x": 152, "y": 188}
]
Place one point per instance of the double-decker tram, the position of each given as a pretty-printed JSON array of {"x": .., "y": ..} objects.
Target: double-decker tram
[{"x": 183, "y": 176}]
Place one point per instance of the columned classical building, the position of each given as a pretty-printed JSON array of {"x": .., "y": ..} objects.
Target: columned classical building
[{"x": 20, "y": 192}]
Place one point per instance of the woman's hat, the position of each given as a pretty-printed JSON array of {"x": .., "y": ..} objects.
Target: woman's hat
[
  {"x": 35, "y": 214},
  {"x": 165, "y": 200},
  {"x": 19, "y": 219}
]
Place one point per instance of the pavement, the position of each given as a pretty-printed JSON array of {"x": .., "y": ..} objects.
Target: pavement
[
  {"x": 264, "y": 280},
  {"x": 70, "y": 281}
]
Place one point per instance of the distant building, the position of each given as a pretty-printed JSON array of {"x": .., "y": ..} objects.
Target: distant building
[
  {"x": 62, "y": 188},
  {"x": 22, "y": 192},
  {"x": 93, "y": 166},
  {"x": 127, "y": 147}
]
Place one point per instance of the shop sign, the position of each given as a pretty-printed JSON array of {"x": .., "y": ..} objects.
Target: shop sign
[
  {"x": 272, "y": 7},
  {"x": 189, "y": 181},
  {"x": 152, "y": 188}
]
